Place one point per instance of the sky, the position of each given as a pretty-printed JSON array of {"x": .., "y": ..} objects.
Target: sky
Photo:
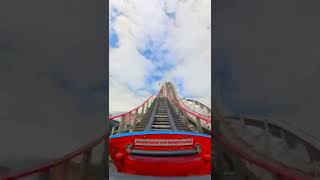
[
  {"x": 266, "y": 59},
  {"x": 53, "y": 78},
  {"x": 153, "y": 41}
]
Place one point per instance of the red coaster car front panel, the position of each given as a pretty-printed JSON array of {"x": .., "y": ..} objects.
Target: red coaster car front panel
[{"x": 161, "y": 153}]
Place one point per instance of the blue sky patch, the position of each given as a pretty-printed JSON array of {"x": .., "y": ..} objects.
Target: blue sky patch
[
  {"x": 113, "y": 35},
  {"x": 161, "y": 59},
  {"x": 113, "y": 39},
  {"x": 171, "y": 15},
  {"x": 179, "y": 85}
]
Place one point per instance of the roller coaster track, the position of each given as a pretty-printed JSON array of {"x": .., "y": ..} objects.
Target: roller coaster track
[
  {"x": 234, "y": 155},
  {"x": 162, "y": 118}
]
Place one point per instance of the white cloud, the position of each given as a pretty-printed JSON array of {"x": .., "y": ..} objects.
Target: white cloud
[
  {"x": 187, "y": 38},
  {"x": 127, "y": 65},
  {"x": 190, "y": 40},
  {"x": 121, "y": 99}
]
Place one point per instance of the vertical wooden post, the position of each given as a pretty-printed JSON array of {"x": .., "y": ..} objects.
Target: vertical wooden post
[
  {"x": 199, "y": 125},
  {"x": 65, "y": 174},
  {"x": 243, "y": 125},
  {"x": 85, "y": 164},
  {"x": 142, "y": 111},
  {"x": 183, "y": 117},
  {"x": 267, "y": 136},
  {"x": 127, "y": 122},
  {"x": 128, "y": 125},
  {"x": 201, "y": 106},
  {"x": 105, "y": 159},
  {"x": 147, "y": 107},
  {"x": 122, "y": 124},
  {"x": 45, "y": 175},
  {"x": 217, "y": 161},
  {"x": 283, "y": 137},
  {"x": 194, "y": 105},
  {"x": 135, "y": 120},
  {"x": 208, "y": 110},
  {"x": 307, "y": 156}
]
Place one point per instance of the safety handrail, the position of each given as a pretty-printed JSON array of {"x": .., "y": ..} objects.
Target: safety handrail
[
  {"x": 66, "y": 158},
  {"x": 126, "y": 113},
  {"x": 198, "y": 115},
  {"x": 272, "y": 166},
  {"x": 130, "y": 119},
  {"x": 197, "y": 102}
]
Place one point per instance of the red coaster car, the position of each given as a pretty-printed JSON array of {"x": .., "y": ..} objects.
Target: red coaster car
[{"x": 167, "y": 153}]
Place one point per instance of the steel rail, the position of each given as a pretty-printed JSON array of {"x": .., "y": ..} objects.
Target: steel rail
[
  {"x": 152, "y": 116},
  {"x": 173, "y": 126}
]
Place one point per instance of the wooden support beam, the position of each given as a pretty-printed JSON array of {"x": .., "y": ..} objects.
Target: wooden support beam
[
  {"x": 199, "y": 125},
  {"x": 135, "y": 120},
  {"x": 122, "y": 124},
  {"x": 142, "y": 111},
  {"x": 65, "y": 170},
  {"x": 105, "y": 160},
  {"x": 45, "y": 175},
  {"x": 147, "y": 105},
  {"x": 85, "y": 164}
]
